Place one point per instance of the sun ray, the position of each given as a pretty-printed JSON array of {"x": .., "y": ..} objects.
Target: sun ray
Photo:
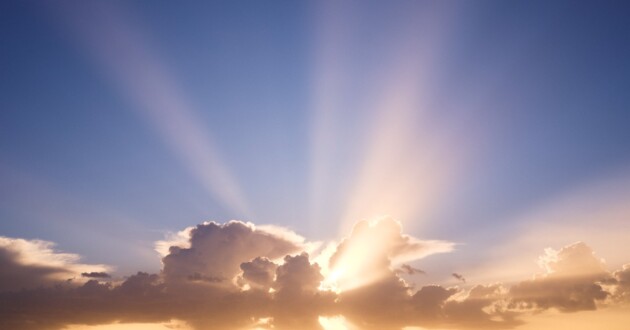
[{"x": 125, "y": 57}]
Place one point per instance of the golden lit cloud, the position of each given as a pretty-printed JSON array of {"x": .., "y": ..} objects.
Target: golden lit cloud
[{"x": 371, "y": 250}]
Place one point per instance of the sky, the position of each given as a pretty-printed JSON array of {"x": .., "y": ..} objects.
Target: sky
[{"x": 348, "y": 164}]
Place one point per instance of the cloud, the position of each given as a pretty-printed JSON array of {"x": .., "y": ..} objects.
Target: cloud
[
  {"x": 218, "y": 250},
  {"x": 459, "y": 277},
  {"x": 483, "y": 307},
  {"x": 258, "y": 273},
  {"x": 240, "y": 276},
  {"x": 27, "y": 264},
  {"x": 298, "y": 275},
  {"x": 573, "y": 260},
  {"x": 203, "y": 278},
  {"x": 428, "y": 302},
  {"x": 572, "y": 281},
  {"x": 96, "y": 275},
  {"x": 409, "y": 270},
  {"x": 393, "y": 246},
  {"x": 298, "y": 302},
  {"x": 378, "y": 305},
  {"x": 139, "y": 298},
  {"x": 372, "y": 248},
  {"x": 180, "y": 239},
  {"x": 620, "y": 281}
]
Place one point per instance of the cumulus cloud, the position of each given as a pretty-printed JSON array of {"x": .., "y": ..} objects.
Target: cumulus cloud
[
  {"x": 258, "y": 273},
  {"x": 572, "y": 281},
  {"x": 621, "y": 281},
  {"x": 573, "y": 260},
  {"x": 240, "y": 276},
  {"x": 298, "y": 302},
  {"x": 179, "y": 239},
  {"x": 218, "y": 250}
]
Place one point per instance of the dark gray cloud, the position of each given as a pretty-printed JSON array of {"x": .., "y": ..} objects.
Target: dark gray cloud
[
  {"x": 459, "y": 277},
  {"x": 409, "y": 270},
  {"x": 96, "y": 275}
]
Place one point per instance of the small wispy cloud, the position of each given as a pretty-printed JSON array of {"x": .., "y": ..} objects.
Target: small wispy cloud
[
  {"x": 459, "y": 277},
  {"x": 96, "y": 275},
  {"x": 409, "y": 270}
]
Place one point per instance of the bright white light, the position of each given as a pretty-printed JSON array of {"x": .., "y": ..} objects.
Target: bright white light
[
  {"x": 335, "y": 323},
  {"x": 360, "y": 260}
]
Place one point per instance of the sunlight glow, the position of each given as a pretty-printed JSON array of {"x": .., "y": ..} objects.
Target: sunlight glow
[
  {"x": 360, "y": 261},
  {"x": 336, "y": 323},
  {"x": 406, "y": 157},
  {"x": 355, "y": 267},
  {"x": 410, "y": 158},
  {"x": 263, "y": 323}
]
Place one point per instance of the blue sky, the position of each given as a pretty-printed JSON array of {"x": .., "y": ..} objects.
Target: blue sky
[{"x": 476, "y": 113}]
